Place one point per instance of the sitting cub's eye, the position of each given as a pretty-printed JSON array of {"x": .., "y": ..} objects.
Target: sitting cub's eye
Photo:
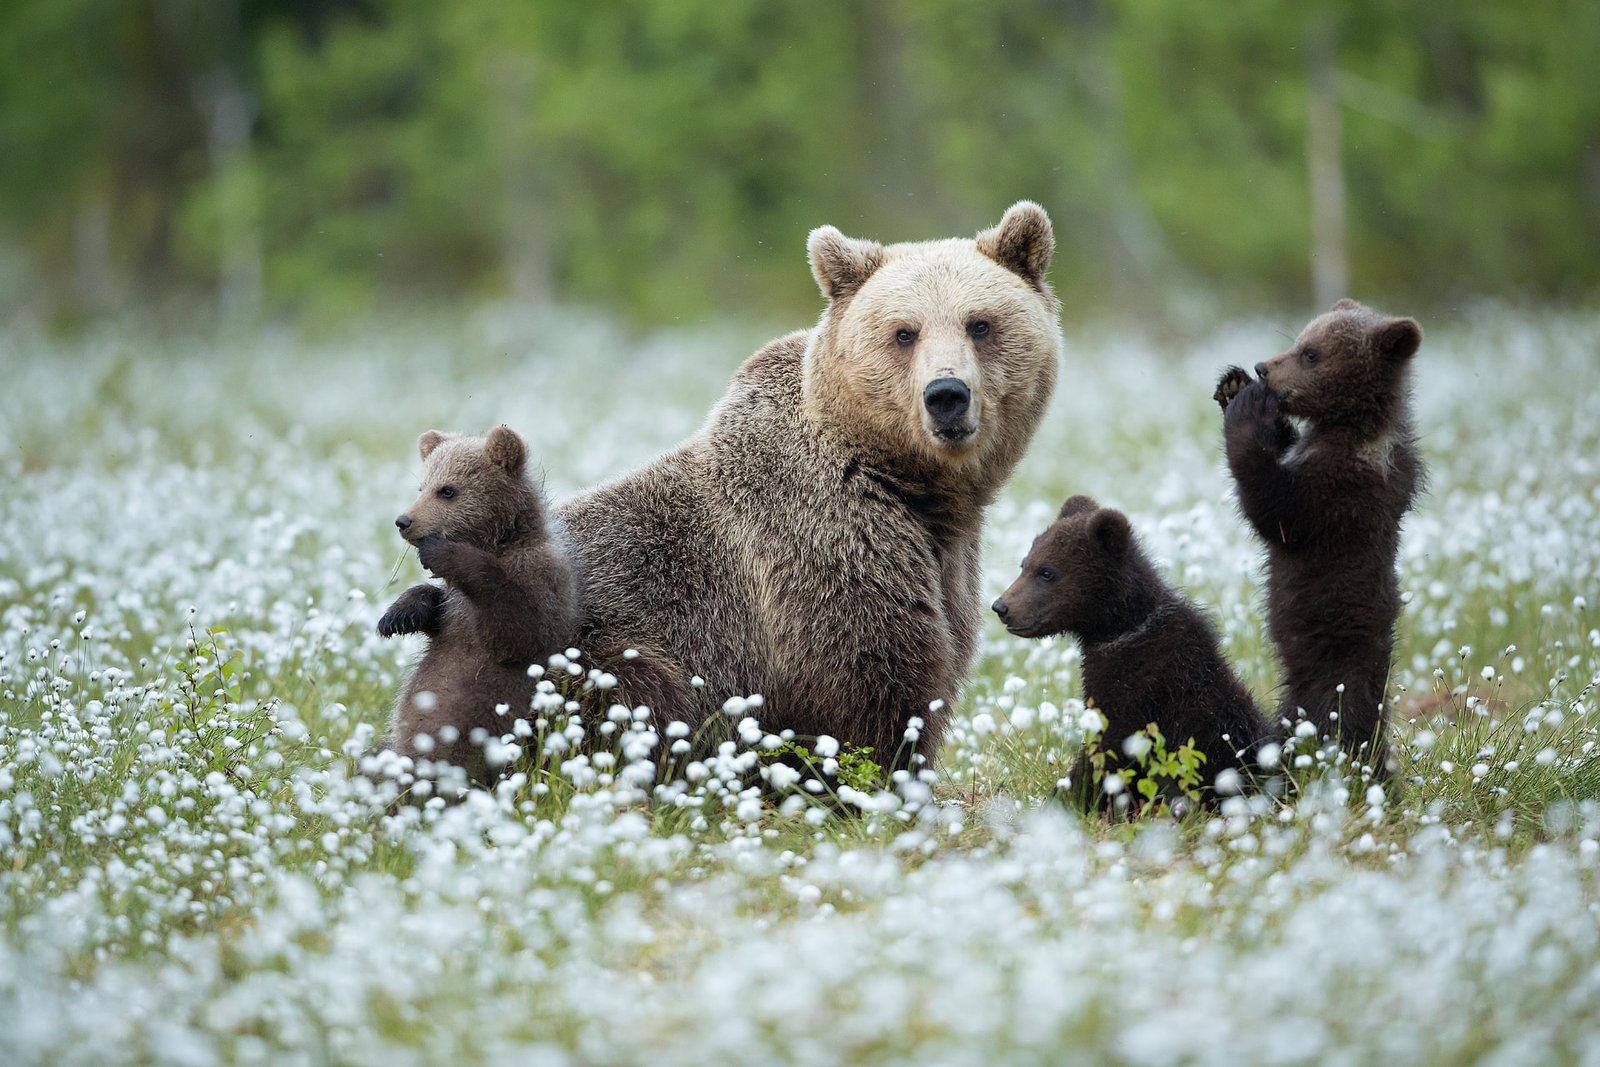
[
  {"x": 1310, "y": 355},
  {"x": 1046, "y": 574},
  {"x": 977, "y": 328},
  {"x": 904, "y": 337},
  {"x": 447, "y": 492}
]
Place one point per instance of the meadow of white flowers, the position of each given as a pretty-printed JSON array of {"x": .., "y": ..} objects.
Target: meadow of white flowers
[{"x": 195, "y": 545}]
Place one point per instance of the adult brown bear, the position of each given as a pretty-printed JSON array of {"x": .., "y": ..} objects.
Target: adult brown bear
[{"x": 817, "y": 542}]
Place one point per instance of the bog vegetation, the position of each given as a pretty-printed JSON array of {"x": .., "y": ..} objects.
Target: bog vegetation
[{"x": 196, "y": 541}]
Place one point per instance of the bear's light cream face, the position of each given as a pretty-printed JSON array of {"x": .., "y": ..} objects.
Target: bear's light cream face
[{"x": 935, "y": 348}]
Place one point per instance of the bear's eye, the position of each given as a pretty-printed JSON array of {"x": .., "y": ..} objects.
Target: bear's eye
[
  {"x": 904, "y": 337},
  {"x": 447, "y": 492},
  {"x": 977, "y": 328},
  {"x": 1046, "y": 574},
  {"x": 1310, "y": 355}
]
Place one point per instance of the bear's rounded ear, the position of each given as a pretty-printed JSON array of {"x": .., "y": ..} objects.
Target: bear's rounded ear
[
  {"x": 841, "y": 264},
  {"x": 1398, "y": 338},
  {"x": 1346, "y": 304},
  {"x": 1076, "y": 505},
  {"x": 1111, "y": 530},
  {"x": 1023, "y": 242},
  {"x": 505, "y": 448},
  {"x": 428, "y": 442}
]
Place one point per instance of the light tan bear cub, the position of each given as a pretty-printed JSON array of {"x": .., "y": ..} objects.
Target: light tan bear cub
[
  {"x": 509, "y": 598},
  {"x": 817, "y": 541}
]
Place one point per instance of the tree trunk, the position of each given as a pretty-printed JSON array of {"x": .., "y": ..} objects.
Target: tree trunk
[{"x": 1330, "y": 265}]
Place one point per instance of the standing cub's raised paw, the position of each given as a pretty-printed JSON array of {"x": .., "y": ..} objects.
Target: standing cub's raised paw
[
  {"x": 1233, "y": 379},
  {"x": 416, "y": 611}
]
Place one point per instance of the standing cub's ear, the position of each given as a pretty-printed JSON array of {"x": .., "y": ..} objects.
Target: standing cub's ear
[
  {"x": 1110, "y": 528},
  {"x": 505, "y": 448},
  {"x": 841, "y": 264},
  {"x": 428, "y": 442},
  {"x": 1346, "y": 304},
  {"x": 1076, "y": 504},
  {"x": 1398, "y": 338},
  {"x": 1023, "y": 242}
]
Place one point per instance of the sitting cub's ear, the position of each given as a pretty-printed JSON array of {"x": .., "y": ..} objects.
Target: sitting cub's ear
[
  {"x": 428, "y": 442},
  {"x": 1110, "y": 529},
  {"x": 841, "y": 264},
  {"x": 1075, "y": 505},
  {"x": 1398, "y": 338},
  {"x": 1346, "y": 304},
  {"x": 1023, "y": 242},
  {"x": 505, "y": 448}
]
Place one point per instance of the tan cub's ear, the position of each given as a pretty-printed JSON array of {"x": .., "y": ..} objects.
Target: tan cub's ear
[
  {"x": 841, "y": 264},
  {"x": 1111, "y": 529},
  {"x": 1346, "y": 304},
  {"x": 505, "y": 448},
  {"x": 1023, "y": 242},
  {"x": 1075, "y": 505},
  {"x": 1398, "y": 338},
  {"x": 428, "y": 442}
]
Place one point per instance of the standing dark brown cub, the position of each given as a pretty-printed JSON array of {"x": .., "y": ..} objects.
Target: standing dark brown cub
[
  {"x": 1149, "y": 655},
  {"x": 1327, "y": 497},
  {"x": 509, "y": 598}
]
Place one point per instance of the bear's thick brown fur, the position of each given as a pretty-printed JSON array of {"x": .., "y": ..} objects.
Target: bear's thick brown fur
[
  {"x": 509, "y": 598},
  {"x": 817, "y": 542},
  {"x": 1149, "y": 655},
  {"x": 1327, "y": 498}
]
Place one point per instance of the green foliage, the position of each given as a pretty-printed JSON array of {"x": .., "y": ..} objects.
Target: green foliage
[
  {"x": 668, "y": 159},
  {"x": 853, "y": 766},
  {"x": 1141, "y": 778}
]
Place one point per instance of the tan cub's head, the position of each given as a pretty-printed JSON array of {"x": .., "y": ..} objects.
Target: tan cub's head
[
  {"x": 474, "y": 489},
  {"x": 939, "y": 352},
  {"x": 1348, "y": 367}
]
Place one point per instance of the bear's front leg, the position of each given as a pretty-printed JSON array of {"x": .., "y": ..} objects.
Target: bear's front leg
[
  {"x": 1257, "y": 435},
  {"x": 416, "y": 611},
  {"x": 472, "y": 570}
]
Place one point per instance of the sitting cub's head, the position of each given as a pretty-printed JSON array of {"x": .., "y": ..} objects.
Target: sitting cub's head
[
  {"x": 1071, "y": 575},
  {"x": 1349, "y": 367}
]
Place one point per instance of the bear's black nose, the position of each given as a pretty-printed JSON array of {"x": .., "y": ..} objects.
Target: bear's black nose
[
  {"x": 947, "y": 400},
  {"x": 1001, "y": 608},
  {"x": 1261, "y": 370},
  {"x": 403, "y": 522}
]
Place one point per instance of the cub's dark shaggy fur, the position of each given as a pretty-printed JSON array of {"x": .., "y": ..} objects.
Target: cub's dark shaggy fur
[
  {"x": 1149, "y": 655},
  {"x": 1327, "y": 498},
  {"x": 509, "y": 598}
]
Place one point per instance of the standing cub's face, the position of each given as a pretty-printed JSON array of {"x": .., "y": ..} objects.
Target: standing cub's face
[
  {"x": 1070, "y": 573},
  {"x": 472, "y": 487},
  {"x": 944, "y": 350},
  {"x": 1347, "y": 365}
]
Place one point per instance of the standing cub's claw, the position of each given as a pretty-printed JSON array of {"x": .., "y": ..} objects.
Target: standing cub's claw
[{"x": 1233, "y": 379}]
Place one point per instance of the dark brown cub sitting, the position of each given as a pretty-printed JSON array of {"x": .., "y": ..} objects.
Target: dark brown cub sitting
[
  {"x": 1149, "y": 655},
  {"x": 1327, "y": 499}
]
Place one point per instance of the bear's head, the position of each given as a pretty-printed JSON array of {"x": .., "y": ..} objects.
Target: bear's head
[
  {"x": 1349, "y": 367},
  {"x": 474, "y": 489},
  {"x": 936, "y": 355},
  {"x": 1075, "y": 574}
]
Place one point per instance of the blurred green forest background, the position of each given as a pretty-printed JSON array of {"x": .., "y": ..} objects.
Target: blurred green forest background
[{"x": 664, "y": 159}]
